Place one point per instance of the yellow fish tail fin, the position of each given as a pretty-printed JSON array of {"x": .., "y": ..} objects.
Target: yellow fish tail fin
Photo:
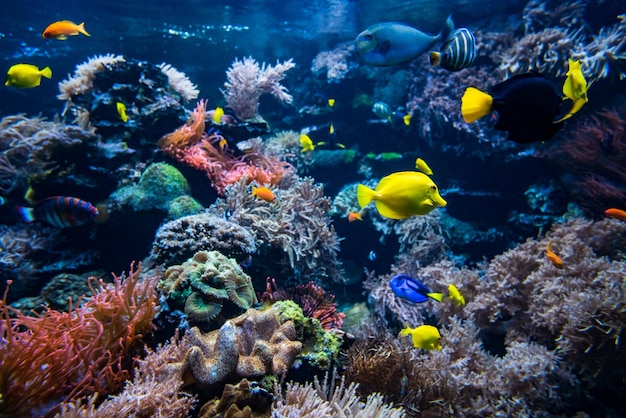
[
  {"x": 46, "y": 72},
  {"x": 364, "y": 195},
  {"x": 434, "y": 58},
  {"x": 81, "y": 29},
  {"x": 437, "y": 296},
  {"x": 406, "y": 330},
  {"x": 475, "y": 104}
]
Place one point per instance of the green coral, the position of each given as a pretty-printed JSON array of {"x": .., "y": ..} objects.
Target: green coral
[
  {"x": 205, "y": 284},
  {"x": 320, "y": 348},
  {"x": 158, "y": 186},
  {"x": 183, "y": 206}
]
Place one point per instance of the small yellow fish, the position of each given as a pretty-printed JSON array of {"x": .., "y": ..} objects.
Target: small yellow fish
[
  {"x": 426, "y": 337},
  {"x": 554, "y": 259},
  {"x": 263, "y": 193},
  {"x": 307, "y": 143},
  {"x": 331, "y": 129},
  {"x": 217, "y": 115},
  {"x": 331, "y": 102},
  {"x": 423, "y": 167},
  {"x": 402, "y": 194},
  {"x": 407, "y": 119},
  {"x": 121, "y": 110},
  {"x": 575, "y": 88},
  {"x": 455, "y": 295},
  {"x": 222, "y": 143},
  {"x": 25, "y": 76}
]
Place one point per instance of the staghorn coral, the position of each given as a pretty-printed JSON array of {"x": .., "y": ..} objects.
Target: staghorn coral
[
  {"x": 294, "y": 230},
  {"x": 152, "y": 392},
  {"x": 253, "y": 344},
  {"x": 329, "y": 399},
  {"x": 247, "y": 81},
  {"x": 66, "y": 355},
  {"x": 205, "y": 283},
  {"x": 178, "y": 240}
]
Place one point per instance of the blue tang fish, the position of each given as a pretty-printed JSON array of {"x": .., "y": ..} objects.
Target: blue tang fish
[
  {"x": 412, "y": 289},
  {"x": 392, "y": 43}
]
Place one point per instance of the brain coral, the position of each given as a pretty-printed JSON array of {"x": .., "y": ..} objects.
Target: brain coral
[
  {"x": 180, "y": 239},
  {"x": 205, "y": 283}
]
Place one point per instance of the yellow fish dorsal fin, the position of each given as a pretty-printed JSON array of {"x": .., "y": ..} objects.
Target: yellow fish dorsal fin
[{"x": 475, "y": 104}]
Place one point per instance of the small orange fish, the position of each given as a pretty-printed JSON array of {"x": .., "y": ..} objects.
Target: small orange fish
[
  {"x": 354, "y": 216},
  {"x": 263, "y": 193},
  {"x": 554, "y": 259},
  {"x": 222, "y": 144},
  {"x": 616, "y": 214},
  {"x": 62, "y": 29}
]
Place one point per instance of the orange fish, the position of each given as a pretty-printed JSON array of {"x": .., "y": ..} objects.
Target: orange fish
[
  {"x": 263, "y": 193},
  {"x": 554, "y": 259},
  {"x": 62, "y": 29},
  {"x": 354, "y": 216},
  {"x": 616, "y": 214}
]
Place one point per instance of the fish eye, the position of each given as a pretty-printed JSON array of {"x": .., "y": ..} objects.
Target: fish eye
[
  {"x": 369, "y": 36},
  {"x": 433, "y": 188}
]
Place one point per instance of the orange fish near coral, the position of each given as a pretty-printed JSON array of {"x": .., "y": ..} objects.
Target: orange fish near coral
[
  {"x": 263, "y": 193},
  {"x": 62, "y": 29},
  {"x": 554, "y": 259},
  {"x": 616, "y": 213},
  {"x": 354, "y": 216}
]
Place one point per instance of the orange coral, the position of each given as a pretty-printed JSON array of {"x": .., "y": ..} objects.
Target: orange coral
[{"x": 61, "y": 356}]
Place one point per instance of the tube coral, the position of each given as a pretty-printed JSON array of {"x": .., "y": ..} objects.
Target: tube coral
[
  {"x": 247, "y": 81},
  {"x": 62, "y": 356}
]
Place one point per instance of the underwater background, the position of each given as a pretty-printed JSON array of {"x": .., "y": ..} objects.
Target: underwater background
[{"x": 184, "y": 229}]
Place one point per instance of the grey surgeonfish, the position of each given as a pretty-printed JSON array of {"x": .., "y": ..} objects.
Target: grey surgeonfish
[
  {"x": 457, "y": 52},
  {"x": 393, "y": 43}
]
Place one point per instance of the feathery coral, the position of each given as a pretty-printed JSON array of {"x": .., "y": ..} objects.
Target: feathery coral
[{"x": 247, "y": 81}]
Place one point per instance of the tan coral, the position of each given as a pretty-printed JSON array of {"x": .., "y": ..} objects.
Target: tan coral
[{"x": 253, "y": 344}]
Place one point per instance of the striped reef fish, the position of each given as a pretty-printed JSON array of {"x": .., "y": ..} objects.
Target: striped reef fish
[
  {"x": 457, "y": 52},
  {"x": 60, "y": 211}
]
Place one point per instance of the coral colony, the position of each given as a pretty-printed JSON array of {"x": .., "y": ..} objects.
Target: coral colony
[{"x": 268, "y": 286}]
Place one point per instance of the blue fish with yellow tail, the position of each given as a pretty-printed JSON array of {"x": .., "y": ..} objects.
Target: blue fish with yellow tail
[
  {"x": 392, "y": 43},
  {"x": 412, "y": 289},
  {"x": 60, "y": 211}
]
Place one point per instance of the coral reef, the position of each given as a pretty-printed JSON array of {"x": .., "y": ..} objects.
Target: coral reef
[
  {"x": 207, "y": 152},
  {"x": 294, "y": 231},
  {"x": 313, "y": 300},
  {"x": 336, "y": 64},
  {"x": 205, "y": 284},
  {"x": 66, "y": 355},
  {"x": 247, "y": 81},
  {"x": 243, "y": 399},
  {"x": 330, "y": 398},
  {"x": 178, "y": 240},
  {"x": 251, "y": 345}
]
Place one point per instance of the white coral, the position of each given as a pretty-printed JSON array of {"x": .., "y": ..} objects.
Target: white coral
[
  {"x": 179, "y": 82},
  {"x": 82, "y": 80}
]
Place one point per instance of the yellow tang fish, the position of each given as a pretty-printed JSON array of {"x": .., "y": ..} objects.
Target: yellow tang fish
[
  {"x": 456, "y": 295},
  {"x": 25, "y": 76},
  {"x": 402, "y": 194},
  {"x": 423, "y": 167},
  {"x": 426, "y": 337},
  {"x": 575, "y": 88},
  {"x": 307, "y": 143},
  {"x": 217, "y": 115},
  {"x": 121, "y": 110},
  {"x": 331, "y": 102}
]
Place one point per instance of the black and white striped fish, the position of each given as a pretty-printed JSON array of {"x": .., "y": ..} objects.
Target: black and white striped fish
[
  {"x": 60, "y": 211},
  {"x": 457, "y": 52}
]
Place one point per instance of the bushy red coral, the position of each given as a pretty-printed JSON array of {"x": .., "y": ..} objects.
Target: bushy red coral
[
  {"x": 208, "y": 152},
  {"x": 62, "y": 356},
  {"x": 314, "y": 301}
]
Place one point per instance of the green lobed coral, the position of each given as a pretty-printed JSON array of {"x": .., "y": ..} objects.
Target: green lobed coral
[{"x": 320, "y": 347}]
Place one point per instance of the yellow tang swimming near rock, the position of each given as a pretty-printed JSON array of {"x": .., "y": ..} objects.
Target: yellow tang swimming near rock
[
  {"x": 426, "y": 337},
  {"x": 402, "y": 195},
  {"x": 25, "y": 76}
]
